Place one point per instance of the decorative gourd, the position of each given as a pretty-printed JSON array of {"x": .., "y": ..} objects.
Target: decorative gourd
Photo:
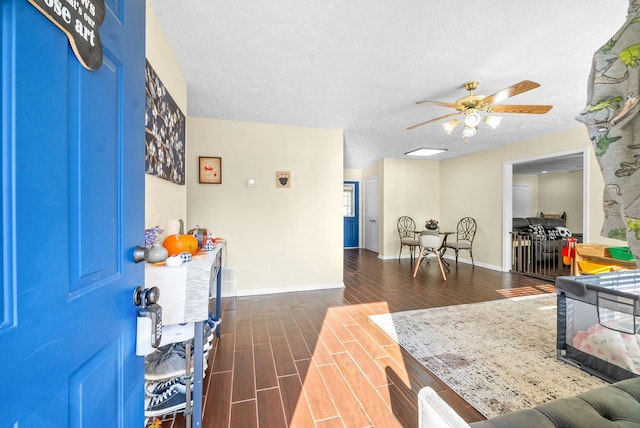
[
  {"x": 202, "y": 234},
  {"x": 176, "y": 244}
]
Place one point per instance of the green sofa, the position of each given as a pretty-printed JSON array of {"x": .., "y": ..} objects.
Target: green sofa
[{"x": 616, "y": 405}]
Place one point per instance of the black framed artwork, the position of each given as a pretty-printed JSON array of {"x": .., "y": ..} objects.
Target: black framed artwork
[{"x": 165, "y": 127}]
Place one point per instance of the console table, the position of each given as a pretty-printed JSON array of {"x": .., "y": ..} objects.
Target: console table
[{"x": 185, "y": 291}]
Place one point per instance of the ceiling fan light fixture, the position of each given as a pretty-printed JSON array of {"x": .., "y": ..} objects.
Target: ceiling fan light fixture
[
  {"x": 469, "y": 131},
  {"x": 492, "y": 121},
  {"x": 479, "y": 108},
  {"x": 425, "y": 152},
  {"x": 472, "y": 119},
  {"x": 450, "y": 126}
]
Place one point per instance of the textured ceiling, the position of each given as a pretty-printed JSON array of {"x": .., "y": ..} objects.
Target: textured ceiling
[
  {"x": 360, "y": 66},
  {"x": 555, "y": 164}
]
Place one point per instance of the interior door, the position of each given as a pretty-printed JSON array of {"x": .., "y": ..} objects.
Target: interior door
[
  {"x": 351, "y": 214},
  {"x": 72, "y": 211},
  {"x": 371, "y": 228},
  {"x": 521, "y": 201}
]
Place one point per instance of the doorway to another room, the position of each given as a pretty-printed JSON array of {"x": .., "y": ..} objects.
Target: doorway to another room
[
  {"x": 351, "y": 214},
  {"x": 556, "y": 183}
]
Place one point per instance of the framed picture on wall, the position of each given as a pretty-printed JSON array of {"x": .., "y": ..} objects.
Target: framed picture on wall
[
  {"x": 210, "y": 170},
  {"x": 165, "y": 132}
]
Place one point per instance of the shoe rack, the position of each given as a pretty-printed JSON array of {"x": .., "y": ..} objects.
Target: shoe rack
[{"x": 185, "y": 292}]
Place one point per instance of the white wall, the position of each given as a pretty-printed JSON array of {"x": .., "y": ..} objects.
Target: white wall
[
  {"x": 164, "y": 200},
  {"x": 562, "y": 192},
  {"x": 555, "y": 193},
  {"x": 471, "y": 186},
  {"x": 409, "y": 187},
  {"x": 279, "y": 239}
]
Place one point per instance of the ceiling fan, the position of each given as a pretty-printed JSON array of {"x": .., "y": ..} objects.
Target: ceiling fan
[{"x": 471, "y": 105}]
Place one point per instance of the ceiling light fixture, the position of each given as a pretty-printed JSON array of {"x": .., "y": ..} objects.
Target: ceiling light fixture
[
  {"x": 471, "y": 121},
  {"x": 469, "y": 131},
  {"x": 450, "y": 126},
  {"x": 492, "y": 121},
  {"x": 425, "y": 152},
  {"x": 472, "y": 118}
]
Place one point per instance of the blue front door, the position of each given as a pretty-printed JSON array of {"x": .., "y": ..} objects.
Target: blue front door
[
  {"x": 351, "y": 209},
  {"x": 72, "y": 165}
]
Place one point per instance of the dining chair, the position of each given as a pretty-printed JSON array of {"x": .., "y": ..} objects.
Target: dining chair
[
  {"x": 429, "y": 245},
  {"x": 465, "y": 232},
  {"x": 407, "y": 232}
]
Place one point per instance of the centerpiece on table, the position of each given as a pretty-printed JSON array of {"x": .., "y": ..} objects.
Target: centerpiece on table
[{"x": 432, "y": 224}]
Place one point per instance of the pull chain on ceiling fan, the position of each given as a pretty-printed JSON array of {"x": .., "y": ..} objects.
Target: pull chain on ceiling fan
[{"x": 471, "y": 105}]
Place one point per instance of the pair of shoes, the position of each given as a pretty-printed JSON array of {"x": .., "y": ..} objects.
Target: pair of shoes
[
  {"x": 158, "y": 353},
  {"x": 166, "y": 364},
  {"x": 171, "y": 400},
  {"x": 151, "y": 389},
  {"x": 169, "y": 363}
]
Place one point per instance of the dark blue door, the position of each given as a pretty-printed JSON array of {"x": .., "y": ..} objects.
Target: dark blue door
[
  {"x": 72, "y": 165},
  {"x": 350, "y": 207}
]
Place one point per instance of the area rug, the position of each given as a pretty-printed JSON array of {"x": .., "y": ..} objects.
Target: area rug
[{"x": 499, "y": 356}]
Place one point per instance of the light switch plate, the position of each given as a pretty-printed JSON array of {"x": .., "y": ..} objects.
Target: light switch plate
[{"x": 251, "y": 182}]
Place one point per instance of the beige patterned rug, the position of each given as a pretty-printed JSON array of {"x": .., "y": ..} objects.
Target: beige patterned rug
[{"x": 499, "y": 356}]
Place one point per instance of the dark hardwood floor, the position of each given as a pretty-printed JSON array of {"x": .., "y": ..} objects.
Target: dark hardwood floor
[{"x": 313, "y": 359}]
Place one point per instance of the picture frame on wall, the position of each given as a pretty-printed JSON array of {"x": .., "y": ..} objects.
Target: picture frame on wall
[
  {"x": 210, "y": 170},
  {"x": 165, "y": 131}
]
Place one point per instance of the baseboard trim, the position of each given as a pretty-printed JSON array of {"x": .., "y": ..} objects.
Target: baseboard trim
[
  {"x": 452, "y": 263},
  {"x": 292, "y": 289},
  {"x": 452, "y": 259}
]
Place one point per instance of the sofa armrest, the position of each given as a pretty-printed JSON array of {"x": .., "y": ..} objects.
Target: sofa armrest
[{"x": 434, "y": 412}]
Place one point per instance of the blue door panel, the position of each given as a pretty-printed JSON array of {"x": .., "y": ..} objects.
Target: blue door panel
[
  {"x": 95, "y": 205},
  {"x": 351, "y": 223},
  {"x": 72, "y": 171},
  {"x": 97, "y": 379}
]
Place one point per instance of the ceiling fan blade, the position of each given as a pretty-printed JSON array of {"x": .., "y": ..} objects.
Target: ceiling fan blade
[
  {"x": 518, "y": 88},
  {"x": 437, "y": 103},
  {"x": 526, "y": 109},
  {"x": 433, "y": 120}
]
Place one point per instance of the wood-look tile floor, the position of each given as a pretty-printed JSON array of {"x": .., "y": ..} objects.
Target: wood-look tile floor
[{"x": 313, "y": 359}]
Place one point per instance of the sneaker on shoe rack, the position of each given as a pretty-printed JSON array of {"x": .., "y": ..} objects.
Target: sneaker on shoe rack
[
  {"x": 174, "y": 333},
  {"x": 171, "y": 364},
  {"x": 151, "y": 389},
  {"x": 207, "y": 333},
  {"x": 158, "y": 353},
  {"x": 213, "y": 321},
  {"x": 181, "y": 347},
  {"x": 172, "y": 400}
]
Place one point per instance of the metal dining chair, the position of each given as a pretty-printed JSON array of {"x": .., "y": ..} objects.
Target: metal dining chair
[
  {"x": 429, "y": 245},
  {"x": 465, "y": 232},
  {"x": 407, "y": 232}
]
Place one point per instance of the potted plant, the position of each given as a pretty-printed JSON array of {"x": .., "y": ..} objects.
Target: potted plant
[{"x": 432, "y": 224}]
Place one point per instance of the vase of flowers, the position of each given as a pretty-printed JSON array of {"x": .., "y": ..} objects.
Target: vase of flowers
[
  {"x": 432, "y": 224},
  {"x": 150, "y": 235},
  {"x": 154, "y": 251}
]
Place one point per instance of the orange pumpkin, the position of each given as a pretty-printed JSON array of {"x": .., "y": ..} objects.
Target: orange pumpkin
[{"x": 176, "y": 244}]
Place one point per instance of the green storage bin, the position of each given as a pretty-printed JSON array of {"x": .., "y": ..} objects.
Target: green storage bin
[{"x": 621, "y": 253}]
